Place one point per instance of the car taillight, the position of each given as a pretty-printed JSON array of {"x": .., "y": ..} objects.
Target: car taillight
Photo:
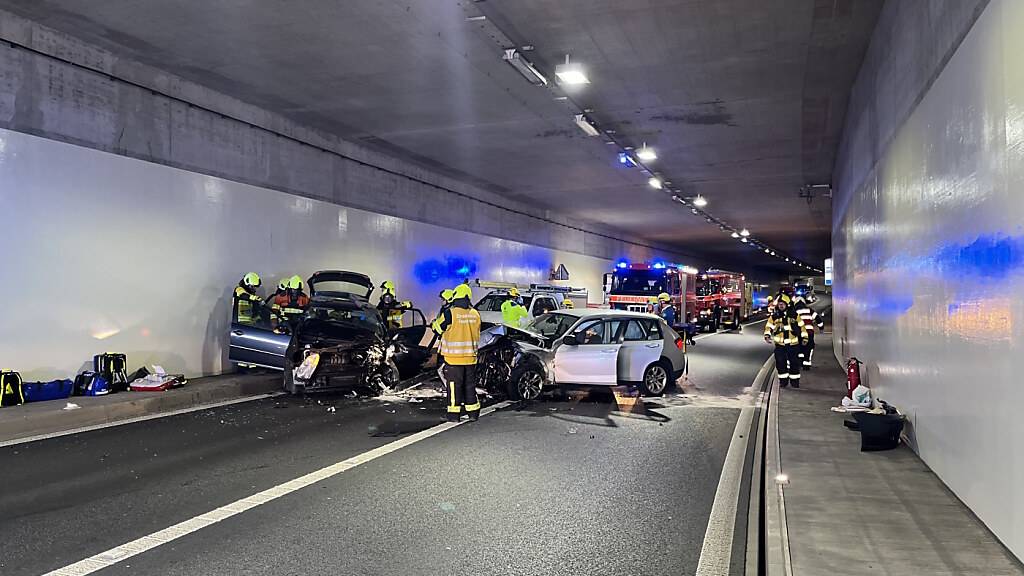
[{"x": 679, "y": 342}]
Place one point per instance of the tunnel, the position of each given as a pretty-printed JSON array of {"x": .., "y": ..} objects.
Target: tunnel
[{"x": 511, "y": 287}]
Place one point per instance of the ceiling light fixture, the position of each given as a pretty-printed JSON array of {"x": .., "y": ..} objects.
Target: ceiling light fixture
[
  {"x": 744, "y": 232},
  {"x": 734, "y": 234},
  {"x": 647, "y": 154},
  {"x": 524, "y": 67},
  {"x": 744, "y": 240},
  {"x": 700, "y": 201},
  {"x": 767, "y": 251},
  {"x": 586, "y": 125},
  {"x": 654, "y": 182},
  {"x": 626, "y": 160},
  {"x": 571, "y": 74}
]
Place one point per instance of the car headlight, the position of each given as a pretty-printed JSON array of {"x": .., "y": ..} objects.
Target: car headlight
[
  {"x": 308, "y": 367},
  {"x": 390, "y": 352}
]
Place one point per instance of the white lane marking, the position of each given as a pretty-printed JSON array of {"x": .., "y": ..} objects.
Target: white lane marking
[
  {"x": 702, "y": 336},
  {"x": 148, "y": 542},
  {"x": 138, "y": 419},
  {"x": 716, "y": 553}
]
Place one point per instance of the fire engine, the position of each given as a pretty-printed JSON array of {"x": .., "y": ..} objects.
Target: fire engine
[
  {"x": 722, "y": 299},
  {"x": 632, "y": 286}
]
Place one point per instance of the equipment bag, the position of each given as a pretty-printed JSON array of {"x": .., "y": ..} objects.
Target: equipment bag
[
  {"x": 10, "y": 388},
  {"x": 158, "y": 382},
  {"x": 53, "y": 390},
  {"x": 91, "y": 384},
  {"x": 114, "y": 369}
]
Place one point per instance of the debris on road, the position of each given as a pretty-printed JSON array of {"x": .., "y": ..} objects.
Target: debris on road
[{"x": 71, "y": 406}]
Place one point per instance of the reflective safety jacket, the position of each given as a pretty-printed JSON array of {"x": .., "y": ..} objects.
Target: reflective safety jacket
[
  {"x": 291, "y": 304},
  {"x": 460, "y": 336},
  {"x": 245, "y": 305},
  {"x": 785, "y": 329},
  {"x": 809, "y": 317},
  {"x": 513, "y": 313}
]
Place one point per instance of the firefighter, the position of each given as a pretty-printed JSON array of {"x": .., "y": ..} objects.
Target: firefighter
[
  {"x": 292, "y": 304},
  {"x": 568, "y": 304},
  {"x": 390, "y": 306},
  {"x": 446, "y": 296},
  {"x": 245, "y": 302},
  {"x": 512, "y": 310},
  {"x": 278, "y": 296},
  {"x": 460, "y": 336},
  {"x": 810, "y": 320},
  {"x": 787, "y": 332},
  {"x": 653, "y": 307},
  {"x": 668, "y": 312}
]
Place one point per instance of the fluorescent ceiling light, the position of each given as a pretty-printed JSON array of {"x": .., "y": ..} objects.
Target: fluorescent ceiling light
[
  {"x": 767, "y": 251},
  {"x": 646, "y": 154},
  {"x": 744, "y": 232},
  {"x": 571, "y": 73},
  {"x": 700, "y": 201},
  {"x": 744, "y": 240},
  {"x": 584, "y": 123},
  {"x": 735, "y": 235},
  {"x": 654, "y": 182},
  {"x": 523, "y": 66}
]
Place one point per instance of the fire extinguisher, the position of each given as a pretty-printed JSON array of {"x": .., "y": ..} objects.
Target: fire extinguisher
[{"x": 852, "y": 376}]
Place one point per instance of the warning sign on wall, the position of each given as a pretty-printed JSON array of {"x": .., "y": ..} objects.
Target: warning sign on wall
[{"x": 828, "y": 271}]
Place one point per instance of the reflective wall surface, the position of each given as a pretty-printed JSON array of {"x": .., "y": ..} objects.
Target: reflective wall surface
[
  {"x": 105, "y": 253},
  {"x": 929, "y": 260}
]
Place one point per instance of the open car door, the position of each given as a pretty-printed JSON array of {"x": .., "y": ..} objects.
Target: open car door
[
  {"x": 254, "y": 342},
  {"x": 413, "y": 353}
]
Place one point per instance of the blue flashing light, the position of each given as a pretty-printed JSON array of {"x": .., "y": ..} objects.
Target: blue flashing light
[
  {"x": 626, "y": 160},
  {"x": 622, "y": 264},
  {"x": 659, "y": 265}
]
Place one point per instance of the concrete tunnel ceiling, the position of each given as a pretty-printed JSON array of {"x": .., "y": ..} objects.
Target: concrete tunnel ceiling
[{"x": 743, "y": 100}]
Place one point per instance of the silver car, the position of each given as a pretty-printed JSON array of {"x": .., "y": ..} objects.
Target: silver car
[{"x": 606, "y": 348}]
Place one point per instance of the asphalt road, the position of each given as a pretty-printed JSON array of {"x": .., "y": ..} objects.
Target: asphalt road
[{"x": 570, "y": 486}]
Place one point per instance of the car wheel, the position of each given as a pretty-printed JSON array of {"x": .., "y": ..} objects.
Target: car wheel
[
  {"x": 526, "y": 383},
  {"x": 289, "y": 377},
  {"x": 656, "y": 379}
]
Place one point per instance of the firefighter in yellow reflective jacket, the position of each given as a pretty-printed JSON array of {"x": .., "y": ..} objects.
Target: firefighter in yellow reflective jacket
[
  {"x": 446, "y": 296},
  {"x": 460, "y": 336},
  {"x": 246, "y": 304},
  {"x": 513, "y": 313},
  {"x": 390, "y": 307},
  {"x": 787, "y": 332},
  {"x": 811, "y": 321}
]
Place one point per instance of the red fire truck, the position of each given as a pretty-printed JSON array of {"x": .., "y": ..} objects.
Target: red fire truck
[
  {"x": 632, "y": 286},
  {"x": 721, "y": 300}
]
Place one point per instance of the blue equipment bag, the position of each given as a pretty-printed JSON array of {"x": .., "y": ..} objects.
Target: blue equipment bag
[
  {"x": 91, "y": 384},
  {"x": 53, "y": 390},
  {"x": 10, "y": 388}
]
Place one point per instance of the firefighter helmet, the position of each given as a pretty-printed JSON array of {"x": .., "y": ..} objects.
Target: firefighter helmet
[
  {"x": 252, "y": 280},
  {"x": 462, "y": 291},
  {"x": 664, "y": 297}
]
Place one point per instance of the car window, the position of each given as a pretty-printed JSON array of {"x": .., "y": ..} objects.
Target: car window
[
  {"x": 551, "y": 325},
  {"x": 653, "y": 328},
  {"x": 591, "y": 332},
  {"x": 543, "y": 306},
  {"x": 612, "y": 330},
  {"x": 636, "y": 331},
  {"x": 490, "y": 303}
]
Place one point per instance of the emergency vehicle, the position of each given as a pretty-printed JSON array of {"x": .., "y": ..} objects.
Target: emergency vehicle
[
  {"x": 632, "y": 285},
  {"x": 727, "y": 290},
  {"x": 537, "y": 298}
]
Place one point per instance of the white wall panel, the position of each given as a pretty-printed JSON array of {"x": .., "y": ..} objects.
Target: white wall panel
[
  {"x": 930, "y": 271},
  {"x": 101, "y": 252}
]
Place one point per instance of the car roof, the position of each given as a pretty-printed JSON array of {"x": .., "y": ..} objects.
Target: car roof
[{"x": 602, "y": 312}]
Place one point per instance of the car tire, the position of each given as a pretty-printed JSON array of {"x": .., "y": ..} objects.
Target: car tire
[
  {"x": 526, "y": 382},
  {"x": 657, "y": 379},
  {"x": 288, "y": 382}
]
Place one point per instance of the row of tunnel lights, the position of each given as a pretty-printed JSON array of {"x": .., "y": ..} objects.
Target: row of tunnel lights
[{"x": 573, "y": 74}]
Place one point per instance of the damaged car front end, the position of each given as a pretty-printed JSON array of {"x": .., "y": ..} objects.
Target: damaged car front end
[{"x": 513, "y": 362}]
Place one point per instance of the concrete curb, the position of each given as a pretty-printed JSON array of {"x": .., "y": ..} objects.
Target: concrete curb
[{"x": 28, "y": 420}]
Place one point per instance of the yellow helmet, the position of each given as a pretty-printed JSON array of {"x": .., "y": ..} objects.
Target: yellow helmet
[
  {"x": 784, "y": 298},
  {"x": 388, "y": 286},
  {"x": 664, "y": 297},
  {"x": 462, "y": 291},
  {"x": 513, "y": 292},
  {"x": 252, "y": 280},
  {"x": 653, "y": 299},
  {"x": 295, "y": 283},
  {"x": 283, "y": 284},
  {"x": 567, "y": 303},
  {"x": 447, "y": 294}
]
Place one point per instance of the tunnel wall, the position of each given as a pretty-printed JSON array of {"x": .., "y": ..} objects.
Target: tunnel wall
[
  {"x": 928, "y": 242},
  {"x": 102, "y": 252}
]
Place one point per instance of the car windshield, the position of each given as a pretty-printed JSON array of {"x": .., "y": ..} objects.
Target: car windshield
[
  {"x": 640, "y": 282},
  {"x": 491, "y": 303},
  {"x": 551, "y": 326},
  {"x": 709, "y": 287}
]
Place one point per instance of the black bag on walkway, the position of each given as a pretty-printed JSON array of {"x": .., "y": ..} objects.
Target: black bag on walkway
[
  {"x": 113, "y": 368},
  {"x": 879, "y": 431},
  {"x": 10, "y": 388}
]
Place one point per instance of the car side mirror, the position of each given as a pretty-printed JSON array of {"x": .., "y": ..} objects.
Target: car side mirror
[{"x": 570, "y": 340}]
